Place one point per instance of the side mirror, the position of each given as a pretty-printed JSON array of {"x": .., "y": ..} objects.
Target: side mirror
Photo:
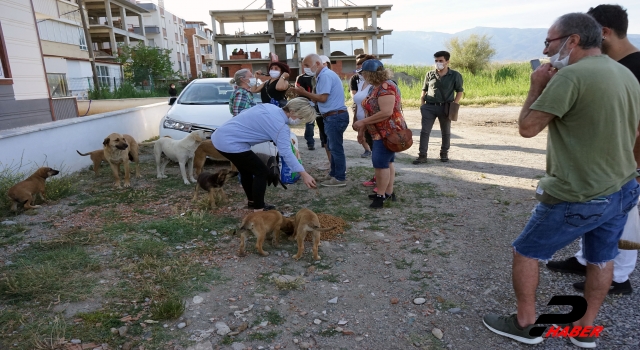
[{"x": 172, "y": 100}]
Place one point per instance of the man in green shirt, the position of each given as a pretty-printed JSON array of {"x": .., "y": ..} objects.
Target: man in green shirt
[
  {"x": 591, "y": 105},
  {"x": 439, "y": 87}
]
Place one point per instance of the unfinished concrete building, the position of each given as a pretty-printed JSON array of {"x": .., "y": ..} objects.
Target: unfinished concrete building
[{"x": 285, "y": 46}]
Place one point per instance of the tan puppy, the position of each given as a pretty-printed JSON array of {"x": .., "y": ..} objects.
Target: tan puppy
[
  {"x": 212, "y": 183},
  {"x": 206, "y": 149},
  {"x": 24, "y": 192},
  {"x": 261, "y": 223},
  {"x": 97, "y": 157},
  {"x": 307, "y": 221},
  {"x": 120, "y": 149},
  {"x": 288, "y": 227},
  {"x": 181, "y": 151}
]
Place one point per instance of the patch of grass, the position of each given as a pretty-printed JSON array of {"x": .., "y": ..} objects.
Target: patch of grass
[
  {"x": 169, "y": 309},
  {"x": 295, "y": 284},
  {"x": 329, "y": 332},
  {"x": 106, "y": 319},
  {"x": 45, "y": 272},
  {"x": 9, "y": 321},
  {"x": 144, "y": 248},
  {"x": 403, "y": 264},
  {"x": 350, "y": 213},
  {"x": 11, "y": 234},
  {"x": 143, "y": 211},
  {"x": 268, "y": 337},
  {"x": 227, "y": 340},
  {"x": 331, "y": 278},
  {"x": 274, "y": 317},
  {"x": 59, "y": 187}
]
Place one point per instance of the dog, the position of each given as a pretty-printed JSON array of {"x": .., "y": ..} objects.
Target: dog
[
  {"x": 24, "y": 192},
  {"x": 261, "y": 223},
  {"x": 288, "y": 227},
  {"x": 120, "y": 149},
  {"x": 97, "y": 157},
  {"x": 206, "y": 149},
  {"x": 307, "y": 221},
  {"x": 181, "y": 151},
  {"x": 212, "y": 183}
]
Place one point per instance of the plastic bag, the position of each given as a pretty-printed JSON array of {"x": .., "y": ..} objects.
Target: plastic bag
[
  {"x": 630, "y": 239},
  {"x": 287, "y": 176}
]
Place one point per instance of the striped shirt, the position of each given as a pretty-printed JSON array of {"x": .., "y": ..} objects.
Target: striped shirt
[{"x": 240, "y": 100}]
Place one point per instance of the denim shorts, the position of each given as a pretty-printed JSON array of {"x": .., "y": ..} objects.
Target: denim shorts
[
  {"x": 381, "y": 156},
  {"x": 599, "y": 222}
]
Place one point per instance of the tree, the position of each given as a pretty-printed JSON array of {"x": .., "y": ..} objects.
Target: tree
[
  {"x": 142, "y": 63},
  {"x": 472, "y": 53}
]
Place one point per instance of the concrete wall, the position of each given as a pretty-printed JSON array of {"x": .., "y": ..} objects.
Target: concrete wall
[
  {"x": 104, "y": 106},
  {"x": 54, "y": 144}
]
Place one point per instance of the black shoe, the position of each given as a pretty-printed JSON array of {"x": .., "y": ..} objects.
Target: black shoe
[
  {"x": 420, "y": 160},
  {"x": 444, "y": 158},
  {"x": 623, "y": 288},
  {"x": 392, "y": 196},
  {"x": 268, "y": 207},
  {"x": 312, "y": 148},
  {"x": 570, "y": 265},
  {"x": 378, "y": 202}
]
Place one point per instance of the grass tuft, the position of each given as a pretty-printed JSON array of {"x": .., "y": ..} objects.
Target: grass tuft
[{"x": 169, "y": 309}]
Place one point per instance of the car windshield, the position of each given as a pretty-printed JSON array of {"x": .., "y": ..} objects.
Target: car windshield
[
  {"x": 206, "y": 94},
  {"x": 209, "y": 94}
]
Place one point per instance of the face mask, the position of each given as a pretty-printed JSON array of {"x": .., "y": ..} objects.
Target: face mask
[
  {"x": 274, "y": 73},
  {"x": 560, "y": 63},
  {"x": 308, "y": 71},
  {"x": 251, "y": 82},
  {"x": 439, "y": 65},
  {"x": 293, "y": 121}
]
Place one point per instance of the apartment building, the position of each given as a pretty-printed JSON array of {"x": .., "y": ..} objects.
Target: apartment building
[
  {"x": 64, "y": 48},
  {"x": 200, "y": 45},
  {"x": 165, "y": 30},
  {"x": 111, "y": 23},
  {"x": 25, "y": 97}
]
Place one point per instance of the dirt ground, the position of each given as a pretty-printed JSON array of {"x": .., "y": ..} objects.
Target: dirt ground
[{"x": 447, "y": 240}]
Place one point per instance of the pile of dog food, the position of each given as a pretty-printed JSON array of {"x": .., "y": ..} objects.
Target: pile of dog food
[{"x": 327, "y": 220}]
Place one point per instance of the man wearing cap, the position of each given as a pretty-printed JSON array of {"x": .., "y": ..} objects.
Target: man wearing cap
[
  {"x": 329, "y": 96},
  {"x": 439, "y": 86}
]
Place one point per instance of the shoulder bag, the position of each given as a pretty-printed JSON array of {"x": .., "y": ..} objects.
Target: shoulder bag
[
  {"x": 398, "y": 140},
  {"x": 450, "y": 108}
]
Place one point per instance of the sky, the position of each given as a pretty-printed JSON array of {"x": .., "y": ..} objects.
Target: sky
[{"x": 423, "y": 15}]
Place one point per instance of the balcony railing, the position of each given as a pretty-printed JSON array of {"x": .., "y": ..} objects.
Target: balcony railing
[
  {"x": 201, "y": 33},
  {"x": 147, "y": 30},
  {"x": 209, "y": 57}
]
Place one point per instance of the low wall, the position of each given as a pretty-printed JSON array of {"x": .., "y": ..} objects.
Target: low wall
[
  {"x": 92, "y": 107},
  {"x": 54, "y": 144}
]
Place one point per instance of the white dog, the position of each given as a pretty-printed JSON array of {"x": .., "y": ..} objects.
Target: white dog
[{"x": 179, "y": 151}]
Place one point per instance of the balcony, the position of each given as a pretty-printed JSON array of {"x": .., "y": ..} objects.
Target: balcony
[
  {"x": 201, "y": 33},
  {"x": 209, "y": 57},
  {"x": 147, "y": 30}
]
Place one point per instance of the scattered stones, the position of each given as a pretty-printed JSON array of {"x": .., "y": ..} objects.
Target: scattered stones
[
  {"x": 359, "y": 338},
  {"x": 295, "y": 340},
  {"x": 238, "y": 346},
  {"x": 76, "y": 341},
  {"x": 379, "y": 234},
  {"x": 387, "y": 262},
  {"x": 317, "y": 321},
  {"x": 394, "y": 301},
  {"x": 9, "y": 223},
  {"x": 285, "y": 279},
  {"x": 338, "y": 329},
  {"x": 222, "y": 328},
  {"x": 306, "y": 345},
  {"x": 264, "y": 324},
  {"x": 347, "y": 332},
  {"x": 342, "y": 322},
  {"x": 419, "y": 301},
  {"x": 387, "y": 240},
  {"x": 333, "y": 301},
  {"x": 181, "y": 325},
  {"x": 437, "y": 333},
  {"x": 114, "y": 331},
  {"x": 454, "y": 310},
  {"x": 198, "y": 299},
  {"x": 267, "y": 308},
  {"x": 122, "y": 331},
  {"x": 205, "y": 345},
  {"x": 214, "y": 233}
]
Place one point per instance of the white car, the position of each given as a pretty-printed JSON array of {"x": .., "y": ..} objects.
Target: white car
[{"x": 204, "y": 104}]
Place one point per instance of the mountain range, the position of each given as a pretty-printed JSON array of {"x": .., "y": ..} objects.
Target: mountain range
[{"x": 417, "y": 47}]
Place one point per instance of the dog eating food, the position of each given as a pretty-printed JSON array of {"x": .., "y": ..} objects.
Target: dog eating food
[
  {"x": 24, "y": 192},
  {"x": 260, "y": 223},
  {"x": 307, "y": 221}
]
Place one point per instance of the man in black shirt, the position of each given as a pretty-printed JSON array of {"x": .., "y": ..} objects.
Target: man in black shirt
[
  {"x": 615, "y": 44},
  {"x": 307, "y": 82}
]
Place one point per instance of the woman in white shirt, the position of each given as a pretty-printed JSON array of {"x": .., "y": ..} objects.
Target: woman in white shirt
[{"x": 358, "y": 97}]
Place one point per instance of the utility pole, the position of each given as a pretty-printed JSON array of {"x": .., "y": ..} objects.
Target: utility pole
[{"x": 92, "y": 57}]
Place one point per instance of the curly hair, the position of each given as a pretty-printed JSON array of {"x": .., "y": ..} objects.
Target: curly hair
[
  {"x": 360, "y": 59},
  {"x": 283, "y": 67},
  {"x": 378, "y": 77}
]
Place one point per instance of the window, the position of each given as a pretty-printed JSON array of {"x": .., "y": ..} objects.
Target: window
[
  {"x": 103, "y": 76},
  {"x": 5, "y": 71},
  {"x": 164, "y": 32},
  {"x": 58, "y": 84},
  {"x": 177, "y": 38},
  {"x": 82, "y": 40},
  {"x": 152, "y": 43}
]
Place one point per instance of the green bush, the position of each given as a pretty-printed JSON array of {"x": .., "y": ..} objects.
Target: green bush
[{"x": 471, "y": 54}]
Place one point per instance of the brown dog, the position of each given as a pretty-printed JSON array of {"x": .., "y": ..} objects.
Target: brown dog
[
  {"x": 24, "y": 192},
  {"x": 307, "y": 221},
  {"x": 288, "y": 227},
  {"x": 212, "y": 183},
  {"x": 261, "y": 223},
  {"x": 120, "y": 149},
  {"x": 206, "y": 149},
  {"x": 97, "y": 157}
]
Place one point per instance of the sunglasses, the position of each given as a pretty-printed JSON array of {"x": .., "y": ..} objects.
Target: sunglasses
[{"x": 549, "y": 41}]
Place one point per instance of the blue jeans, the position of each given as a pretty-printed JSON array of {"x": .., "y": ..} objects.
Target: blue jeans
[
  {"x": 308, "y": 133},
  {"x": 599, "y": 222},
  {"x": 381, "y": 156},
  {"x": 334, "y": 127}
]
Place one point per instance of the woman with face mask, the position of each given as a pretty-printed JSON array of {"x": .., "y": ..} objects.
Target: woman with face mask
[
  {"x": 274, "y": 90},
  {"x": 264, "y": 122},
  {"x": 241, "y": 98}
]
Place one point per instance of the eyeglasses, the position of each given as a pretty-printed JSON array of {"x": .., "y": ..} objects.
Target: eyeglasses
[{"x": 549, "y": 41}]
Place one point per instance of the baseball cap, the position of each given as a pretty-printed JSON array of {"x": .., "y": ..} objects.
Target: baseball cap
[
  {"x": 324, "y": 59},
  {"x": 371, "y": 65}
]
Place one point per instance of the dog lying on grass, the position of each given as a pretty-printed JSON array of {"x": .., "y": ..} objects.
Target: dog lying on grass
[
  {"x": 260, "y": 223},
  {"x": 180, "y": 151},
  {"x": 212, "y": 183},
  {"x": 24, "y": 192}
]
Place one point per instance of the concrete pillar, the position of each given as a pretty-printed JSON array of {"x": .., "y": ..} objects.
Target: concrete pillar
[
  {"x": 142, "y": 32},
  {"x": 112, "y": 43},
  {"x": 374, "y": 20},
  {"x": 123, "y": 18},
  {"x": 214, "y": 45},
  {"x": 107, "y": 8},
  {"x": 326, "y": 42},
  {"x": 366, "y": 46},
  {"x": 374, "y": 38},
  {"x": 365, "y": 23},
  {"x": 374, "y": 44},
  {"x": 224, "y": 52}
]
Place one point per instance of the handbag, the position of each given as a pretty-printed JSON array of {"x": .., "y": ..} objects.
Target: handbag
[
  {"x": 280, "y": 103},
  {"x": 450, "y": 108},
  {"x": 630, "y": 239},
  {"x": 398, "y": 140}
]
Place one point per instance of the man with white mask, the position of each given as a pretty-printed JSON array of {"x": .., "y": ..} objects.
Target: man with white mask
[
  {"x": 591, "y": 105},
  {"x": 438, "y": 90}
]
